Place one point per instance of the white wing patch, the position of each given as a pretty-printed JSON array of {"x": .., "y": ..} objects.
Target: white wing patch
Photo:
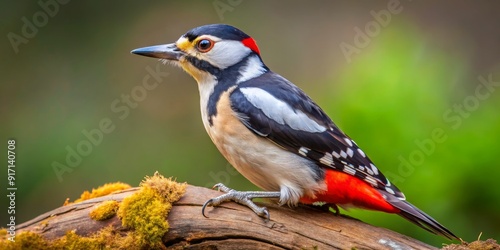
[
  {"x": 303, "y": 151},
  {"x": 343, "y": 154},
  {"x": 361, "y": 153},
  {"x": 280, "y": 112},
  {"x": 371, "y": 180},
  {"x": 370, "y": 172},
  {"x": 375, "y": 169},
  {"x": 327, "y": 159},
  {"x": 349, "y": 170},
  {"x": 350, "y": 153},
  {"x": 348, "y": 141},
  {"x": 389, "y": 190},
  {"x": 336, "y": 154}
]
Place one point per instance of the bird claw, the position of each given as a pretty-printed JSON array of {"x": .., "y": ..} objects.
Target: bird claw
[
  {"x": 221, "y": 187},
  {"x": 207, "y": 203},
  {"x": 243, "y": 198},
  {"x": 265, "y": 213}
]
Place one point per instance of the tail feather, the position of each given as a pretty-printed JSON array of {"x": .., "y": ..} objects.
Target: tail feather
[{"x": 418, "y": 217}]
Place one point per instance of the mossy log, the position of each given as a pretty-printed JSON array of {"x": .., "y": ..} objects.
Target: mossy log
[{"x": 230, "y": 226}]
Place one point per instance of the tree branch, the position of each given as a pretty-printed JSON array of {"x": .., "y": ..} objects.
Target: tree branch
[{"x": 232, "y": 226}]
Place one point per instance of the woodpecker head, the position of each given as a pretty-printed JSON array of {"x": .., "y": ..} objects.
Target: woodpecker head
[{"x": 209, "y": 51}]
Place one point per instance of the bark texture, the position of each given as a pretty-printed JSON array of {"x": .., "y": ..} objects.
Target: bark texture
[{"x": 232, "y": 226}]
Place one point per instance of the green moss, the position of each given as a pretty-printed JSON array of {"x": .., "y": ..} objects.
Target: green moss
[
  {"x": 105, "y": 210},
  {"x": 146, "y": 210},
  {"x": 144, "y": 213}
]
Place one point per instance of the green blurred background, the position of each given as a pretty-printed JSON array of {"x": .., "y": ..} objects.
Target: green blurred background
[{"x": 408, "y": 93}]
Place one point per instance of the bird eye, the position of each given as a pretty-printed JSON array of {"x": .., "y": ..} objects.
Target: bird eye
[{"x": 205, "y": 45}]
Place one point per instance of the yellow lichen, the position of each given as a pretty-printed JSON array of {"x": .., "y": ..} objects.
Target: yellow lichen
[
  {"x": 103, "y": 190},
  {"x": 169, "y": 189},
  {"x": 146, "y": 210},
  {"x": 66, "y": 202},
  {"x": 489, "y": 244},
  {"x": 105, "y": 210},
  {"x": 25, "y": 240},
  {"x": 73, "y": 241},
  {"x": 107, "y": 238}
]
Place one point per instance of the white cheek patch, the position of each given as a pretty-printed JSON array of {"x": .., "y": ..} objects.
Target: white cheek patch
[
  {"x": 281, "y": 112},
  {"x": 226, "y": 53}
]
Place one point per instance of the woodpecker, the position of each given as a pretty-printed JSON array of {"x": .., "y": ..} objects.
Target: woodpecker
[{"x": 274, "y": 134}]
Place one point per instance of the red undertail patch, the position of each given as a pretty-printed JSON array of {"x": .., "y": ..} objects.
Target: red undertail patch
[{"x": 345, "y": 189}]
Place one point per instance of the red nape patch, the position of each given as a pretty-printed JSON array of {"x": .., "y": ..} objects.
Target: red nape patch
[
  {"x": 250, "y": 43},
  {"x": 346, "y": 189}
]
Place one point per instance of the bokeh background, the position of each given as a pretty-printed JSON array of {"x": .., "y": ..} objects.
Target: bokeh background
[{"x": 413, "y": 93}]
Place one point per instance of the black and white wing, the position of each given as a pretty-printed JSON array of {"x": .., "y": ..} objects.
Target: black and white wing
[{"x": 274, "y": 108}]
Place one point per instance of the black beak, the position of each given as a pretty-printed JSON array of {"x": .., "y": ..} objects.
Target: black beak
[{"x": 164, "y": 51}]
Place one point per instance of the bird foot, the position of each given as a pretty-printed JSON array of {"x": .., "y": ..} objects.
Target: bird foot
[{"x": 241, "y": 197}]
